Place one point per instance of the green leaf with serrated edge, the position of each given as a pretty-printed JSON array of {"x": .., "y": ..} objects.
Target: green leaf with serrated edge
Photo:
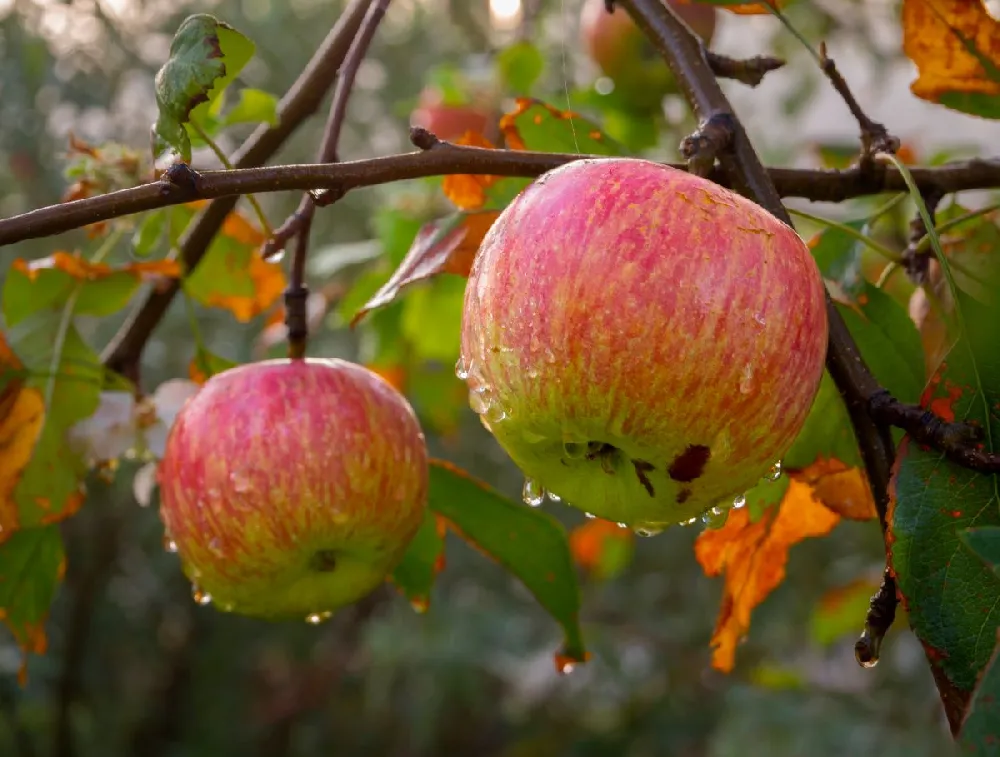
[
  {"x": 529, "y": 543},
  {"x": 888, "y": 340},
  {"x": 51, "y": 288},
  {"x": 30, "y": 567},
  {"x": 985, "y": 544},
  {"x": 838, "y": 256},
  {"x": 520, "y": 65},
  {"x": 69, "y": 375},
  {"x": 534, "y": 125},
  {"x": 149, "y": 234},
  {"x": 952, "y": 597},
  {"x": 415, "y": 574},
  {"x": 980, "y": 733},
  {"x": 205, "y": 56},
  {"x": 254, "y": 106},
  {"x": 224, "y": 271}
]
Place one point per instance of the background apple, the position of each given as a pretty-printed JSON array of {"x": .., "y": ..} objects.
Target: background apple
[
  {"x": 641, "y": 341},
  {"x": 625, "y": 55},
  {"x": 449, "y": 121},
  {"x": 291, "y": 488}
]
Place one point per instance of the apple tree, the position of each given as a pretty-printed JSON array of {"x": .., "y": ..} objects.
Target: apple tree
[{"x": 580, "y": 274}]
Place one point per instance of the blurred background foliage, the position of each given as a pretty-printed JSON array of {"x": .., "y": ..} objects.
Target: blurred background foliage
[{"x": 135, "y": 667}]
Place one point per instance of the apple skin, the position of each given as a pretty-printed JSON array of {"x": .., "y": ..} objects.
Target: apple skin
[
  {"x": 624, "y": 54},
  {"x": 448, "y": 122},
  {"x": 293, "y": 487},
  {"x": 624, "y": 321}
]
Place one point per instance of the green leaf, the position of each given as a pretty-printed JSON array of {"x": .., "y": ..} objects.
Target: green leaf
[
  {"x": 952, "y": 596},
  {"x": 838, "y": 255},
  {"x": 415, "y": 574},
  {"x": 980, "y": 734},
  {"x": 54, "y": 288},
  {"x": 520, "y": 65},
  {"x": 432, "y": 318},
  {"x": 535, "y": 125},
  {"x": 826, "y": 433},
  {"x": 149, "y": 233},
  {"x": 985, "y": 544},
  {"x": 762, "y": 497},
  {"x": 254, "y": 106},
  {"x": 31, "y": 562},
  {"x": 205, "y": 56},
  {"x": 529, "y": 543},
  {"x": 888, "y": 340},
  {"x": 223, "y": 273}
]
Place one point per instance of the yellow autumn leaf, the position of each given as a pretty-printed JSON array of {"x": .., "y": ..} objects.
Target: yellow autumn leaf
[
  {"x": 753, "y": 557},
  {"x": 952, "y": 42}
]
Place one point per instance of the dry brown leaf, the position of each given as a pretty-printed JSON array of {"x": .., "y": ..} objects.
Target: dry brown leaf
[
  {"x": 753, "y": 558},
  {"x": 936, "y": 35},
  {"x": 446, "y": 246},
  {"x": 843, "y": 489},
  {"x": 22, "y": 413}
]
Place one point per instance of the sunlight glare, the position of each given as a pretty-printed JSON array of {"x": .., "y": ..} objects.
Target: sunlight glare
[{"x": 505, "y": 14}]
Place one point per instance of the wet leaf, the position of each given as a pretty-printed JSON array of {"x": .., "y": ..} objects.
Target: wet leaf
[
  {"x": 602, "y": 548},
  {"x": 980, "y": 734},
  {"x": 205, "y": 56},
  {"x": 233, "y": 275},
  {"x": 535, "y": 125},
  {"x": 841, "y": 612},
  {"x": 955, "y": 45},
  {"x": 423, "y": 560},
  {"x": 753, "y": 557},
  {"x": 953, "y": 611},
  {"x": 445, "y": 246},
  {"x": 95, "y": 288},
  {"x": 530, "y": 544},
  {"x": 31, "y": 566}
]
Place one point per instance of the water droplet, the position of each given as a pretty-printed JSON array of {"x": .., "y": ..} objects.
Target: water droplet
[
  {"x": 215, "y": 545},
  {"x": 647, "y": 530},
  {"x": 277, "y": 256},
  {"x": 740, "y": 501},
  {"x": 315, "y": 618},
  {"x": 462, "y": 369},
  {"x": 169, "y": 544},
  {"x": 240, "y": 482},
  {"x": 590, "y": 516},
  {"x": 574, "y": 450},
  {"x": 746, "y": 379},
  {"x": 717, "y": 511},
  {"x": 759, "y": 318},
  {"x": 495, "y": 412},
  {"x": 775, "y": 473},
  {"x": 479, "y": 400},
  {"x": 689, "y": 522},
  {"x": 553, "y": 497},
  {"x": 621, "y": 525},
  {"x": 871, "y": 663},
  {"x": 200, "y": 596},
  {"x": 532, "y": 493}
]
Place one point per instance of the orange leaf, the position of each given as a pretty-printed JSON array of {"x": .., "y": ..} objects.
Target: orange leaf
[
  {"x": 268, "y": 284},
  {"x": 468, "y": 191},
  {"x": 937, "y": 35},
  {"x": 394, "y": 375},
  {"x": 22, "y": 412},
  {"x": 82, "y": 269},
  {"x": 445, "y": 246},
  {"x": 588, "y": 542},
  {"x": 844, "y": 490},
  {"x": 753, "y": 558},
  {"x": 754, "y": 9}
]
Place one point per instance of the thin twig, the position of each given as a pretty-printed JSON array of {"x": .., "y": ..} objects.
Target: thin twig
[
  {"x": 444, "y": 159},
  {"x": 878, "y": 621},
  {"x": 300, "y": 102},
  {"x": 749, "y": 71}
]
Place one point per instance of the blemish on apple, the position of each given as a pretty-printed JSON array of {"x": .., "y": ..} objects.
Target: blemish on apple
[{"x": 690, "y": 463}]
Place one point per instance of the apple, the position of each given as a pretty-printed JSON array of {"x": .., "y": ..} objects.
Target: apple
[
  {"x": 290, "y": 488},
  {"x": 642, "y": 342},
  {"x": 448, "y": 121},
  {"x": 625, "y": 55}
]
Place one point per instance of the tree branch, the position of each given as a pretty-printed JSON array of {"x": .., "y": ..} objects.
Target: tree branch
[
  {"x": 301, "y": 101},
  {"x": 750, "y": 71}
]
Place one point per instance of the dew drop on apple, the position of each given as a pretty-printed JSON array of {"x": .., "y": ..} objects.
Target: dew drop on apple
[
  {"x": 495, "y": 412},
  {"x": 532, "y": 493},
  {"x": 479, "y": 400},
  {"x": 462, "y": 369},
  {"x": 759, "y": 318},
  {"x": 169, "y": 545},
  {"x": 589, "y": 516},
  {"x": 200, "y": 596},
  {"x": 553, "y": 497},
  {"x": 775, "y": 473},
  {"x": 746, "y": 379},
  {"x": 315, "y": 618},
  {"x": 647, "y": 530},
  {"x": 240, "y": 482},
  {"x": 740, "y": 501}
]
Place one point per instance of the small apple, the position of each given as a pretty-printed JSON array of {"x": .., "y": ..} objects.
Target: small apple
[
  {"x": 290, "y": 488},
  {"x": 448, "y": 121},
  {"x": 642, "y": 342},
  {"x": 625, "y": 55}
]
